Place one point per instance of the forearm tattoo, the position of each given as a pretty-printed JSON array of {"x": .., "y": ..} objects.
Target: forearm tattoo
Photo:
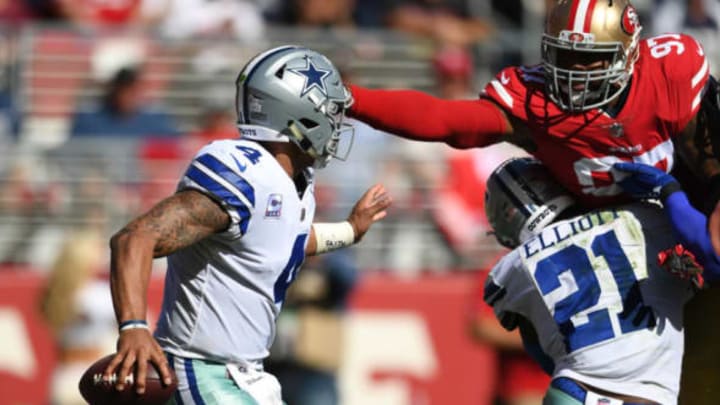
[{"x": 179, "y": 221}]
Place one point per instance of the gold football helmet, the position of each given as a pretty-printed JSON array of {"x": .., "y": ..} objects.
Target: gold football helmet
[{"x": 589, "y": 49}]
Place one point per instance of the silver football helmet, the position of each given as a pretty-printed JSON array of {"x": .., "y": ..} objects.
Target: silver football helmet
[
  {"x": 291, "y": 93},
  {"x": 521, "y": 198}
]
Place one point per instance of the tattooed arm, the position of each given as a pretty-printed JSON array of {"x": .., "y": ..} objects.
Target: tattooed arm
[{"x": 174, "y": 223}]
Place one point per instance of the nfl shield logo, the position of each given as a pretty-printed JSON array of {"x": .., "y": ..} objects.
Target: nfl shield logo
[
  {"x": 274, "y": 206},
  {"x": 603, "y": 401}
]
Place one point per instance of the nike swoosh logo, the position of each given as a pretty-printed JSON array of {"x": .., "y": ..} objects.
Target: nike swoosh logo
[
  {"x": 240, "y": 166},
  {"x": 504, "y": 79}
]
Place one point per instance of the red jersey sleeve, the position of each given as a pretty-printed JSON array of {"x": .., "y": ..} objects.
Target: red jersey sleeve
[
  {"x": 415, "y": 115},
  {"x": 510, "y": 89},
  {"x": 683, "y": 72}
]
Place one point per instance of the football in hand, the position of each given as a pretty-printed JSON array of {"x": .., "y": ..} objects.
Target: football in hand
[{"x": 96, "y": 391}]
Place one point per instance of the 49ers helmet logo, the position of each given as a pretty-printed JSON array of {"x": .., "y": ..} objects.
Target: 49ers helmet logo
[
  {"x": 630, "y": 22},
  {"x": 576, "y": 37}
]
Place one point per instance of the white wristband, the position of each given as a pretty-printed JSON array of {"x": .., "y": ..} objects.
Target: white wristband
[
  {"x": 331, "y": 236},
  {"x": 133, "y": 324}
]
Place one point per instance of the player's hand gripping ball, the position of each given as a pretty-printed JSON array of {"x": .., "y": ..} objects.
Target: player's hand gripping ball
[{"x": 99, "y": 392}]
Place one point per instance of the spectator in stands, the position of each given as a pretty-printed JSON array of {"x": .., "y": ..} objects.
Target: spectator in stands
[
  {"x": 679, "y": 15},
  {"x": 123, "y": 111},
  {"x": 161, "y": 159},
  {"x": 116, "y": 13},
  {"x": 78, "y": 309},
  {"x": 15, "y": 11},
  {"x": 460, "y": 194},
  {"x": 454, "y": 69},
  {"x": 8, "y": 112},
  {"x": 371, "y": 13},
  {"x": 315, "y": 13},
  {"x": 700, "y": 18},
  {"x": 446, "y": 21},
  {"x": 29, "y": 198},
  {"x": 216, "y": 122},
  {"x": 240, "y": 19}
]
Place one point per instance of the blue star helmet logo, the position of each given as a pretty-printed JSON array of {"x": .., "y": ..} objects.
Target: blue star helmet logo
[{"x": 314, "y": 77}]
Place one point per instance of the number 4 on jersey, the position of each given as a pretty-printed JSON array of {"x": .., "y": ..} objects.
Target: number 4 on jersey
[
  {"x": 297, "y": 256},
  {"x": 253, "y": 155}
]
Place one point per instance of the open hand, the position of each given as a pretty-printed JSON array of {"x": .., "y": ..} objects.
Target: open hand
[{"x": 370, "y": 208}]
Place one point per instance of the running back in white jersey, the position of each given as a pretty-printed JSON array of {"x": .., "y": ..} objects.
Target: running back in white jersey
[
  {"x": 603, "y": 310},
  {"x": 222, "y": 295}
]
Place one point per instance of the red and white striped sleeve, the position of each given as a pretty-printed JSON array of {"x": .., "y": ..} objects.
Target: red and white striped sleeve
[
  {"x": 509, "y": 88},
  {"x": 686, "y": 70}
]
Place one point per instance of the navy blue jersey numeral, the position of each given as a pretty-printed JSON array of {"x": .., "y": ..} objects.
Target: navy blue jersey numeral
[
  {"x": 635, "y": 315},
  {"x": 297, "y": 256},
  {"x": 253, "y": 155}
]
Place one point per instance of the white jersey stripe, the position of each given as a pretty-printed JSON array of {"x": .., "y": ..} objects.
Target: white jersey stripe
[
  {"x": 698, "y": 99},
  {"x": 504, "y": 95},
  {"x": 582, "y": 11},
  {"x": 700, "y": 74}
]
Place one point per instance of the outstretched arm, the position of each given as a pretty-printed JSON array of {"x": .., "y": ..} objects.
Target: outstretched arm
[
  {"x": 174, "y": 223},
  {"x": 689, "y": 224},
  {"x": 370, "y": 208},
  {"x": 419, "y": 116}
]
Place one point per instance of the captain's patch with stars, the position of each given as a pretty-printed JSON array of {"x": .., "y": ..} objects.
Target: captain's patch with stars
[{"x": 314, "y": 77}]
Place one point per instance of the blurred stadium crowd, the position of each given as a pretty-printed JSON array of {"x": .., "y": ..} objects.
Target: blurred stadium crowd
[{"x": 102, "y": 103}]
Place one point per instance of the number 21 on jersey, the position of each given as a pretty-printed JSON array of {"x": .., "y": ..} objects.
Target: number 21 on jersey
[{"x": 593, "y": 291}]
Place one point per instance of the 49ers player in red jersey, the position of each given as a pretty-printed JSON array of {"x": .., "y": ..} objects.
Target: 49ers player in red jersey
[{"x": 600, "y": 96}]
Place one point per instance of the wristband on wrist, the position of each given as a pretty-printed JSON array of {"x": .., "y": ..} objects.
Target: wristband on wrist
[
  {"x": 331, "y": 236},
  {"x": 133, "y": 324},
  {"x": 669, "y": 189}
]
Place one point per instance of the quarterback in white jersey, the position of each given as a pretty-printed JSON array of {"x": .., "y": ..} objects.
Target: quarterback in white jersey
[
  {"x": 243, "y": 272},
  {"x": 236, "y": 233},
  {"x": 606, "y": 318}
]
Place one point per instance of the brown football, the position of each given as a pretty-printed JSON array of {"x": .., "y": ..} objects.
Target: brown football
[{"x": 98, "y": 392}]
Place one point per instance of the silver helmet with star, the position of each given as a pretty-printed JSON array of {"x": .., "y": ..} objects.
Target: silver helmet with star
[{"x": 291, "y": 93}]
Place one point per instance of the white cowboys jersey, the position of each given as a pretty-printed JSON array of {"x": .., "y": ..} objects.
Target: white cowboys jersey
[
  {"x": 602, "y": 308},
  {"x": 223, "y": 294}
]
